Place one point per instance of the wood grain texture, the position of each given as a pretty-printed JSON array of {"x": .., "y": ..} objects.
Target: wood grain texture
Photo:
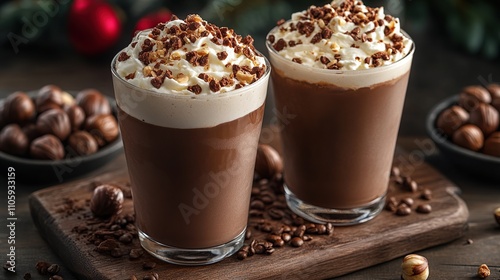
[{"x": 347, "y": 250}]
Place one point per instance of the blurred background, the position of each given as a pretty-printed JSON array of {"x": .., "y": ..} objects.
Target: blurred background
[{"x": 70, "y": 43}]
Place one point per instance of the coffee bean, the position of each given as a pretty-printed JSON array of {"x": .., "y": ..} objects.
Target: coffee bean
[
  {"x": 53, "y": 269},
  {"x": 41, "y": 267},
  {"x": 403, "y": 210},
  {"x": 118, "y": 252},
  {"x": 152, "y": 276},
  {"x": 424, "y": 208},
  {"x": 391, "y": 206},
  {"x": 126, "y": 238},
  {"x": 115, "y": 227},
  {"x": 133, "y": 277},
  {"x": 256, "y": 213},
  {"x": 407, "y": 200},
  {"x": 298, "y": 221},
  {"x": 286, "y": 236},
  {"x": 255, "y": 191},
  {"x": 410, "y": 185},
  {"x": 297, "y": 242},
  {"x": 270, "y": 251},
  {"x": 275, "y": 213},
  {"x": 426, "y": 194},
  {"x": 307, "y": 237},
  {"x": 299, "y": 232},
  {"x": 248, "y": 234},
  {"x": 241, "y": 255},
  {"x": 266, "y": 228},
  {"x": 286, "y": 228},
  {"x": 27, "y": 276},
  {"x": 395, "y": 171},
  {"x": 136, "y": 253},
  {"x": 276, "y": 240},
  {"x": 311, "y": 228},
  {"x": 329, "y": 228},
  {"x": 148, "y": 265},
  {"x": 56, "y": 277},
  {"x": 259, "y": 249},
  {"x": 257, "y": 204}
]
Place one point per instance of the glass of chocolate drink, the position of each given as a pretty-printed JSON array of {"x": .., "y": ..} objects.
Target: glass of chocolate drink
[
  {"x": 190, "y": 97},
  {"x": 340, "y": 73}
]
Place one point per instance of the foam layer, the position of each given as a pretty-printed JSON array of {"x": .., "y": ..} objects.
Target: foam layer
[
  {"x": 343, "y": 35},
  {"x": 199, "y": 111}
]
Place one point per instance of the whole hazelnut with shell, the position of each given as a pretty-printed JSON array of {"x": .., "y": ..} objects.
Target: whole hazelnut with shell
[
  {"x": 18, "y": 107},
  {"x": 469, "y": 136},
  {"x": 492, "y": 144},
  {"x": 494, "y": 90},
  {"x": 451, "y": 119},
  {"x": 107, "y": 200},
  {"x": 13, "y": 140},
  {"x": 47, "y": 147},
  {"x": 76, "y": 116},
  {"x": 268, "y": 162},
  {"x": 414, "y": 267},
  {"x": 104, "y": 128},
  {"x": 49, "y": 97},
  {"x": 82, "y": 143},
  {"x": 485, "y": 117},
  {"x": 54, "y": 121},
  {"x": 93, "y": 102},
  {"x": 471, "y": 96}
]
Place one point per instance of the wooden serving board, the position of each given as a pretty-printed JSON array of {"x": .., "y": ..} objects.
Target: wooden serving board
[{"x": 346, "y": 250}]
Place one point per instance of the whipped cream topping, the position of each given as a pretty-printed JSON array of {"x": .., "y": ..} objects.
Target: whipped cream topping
[
  {"x": 190, "y": 57},
  {"x": 343, "y": 35}
]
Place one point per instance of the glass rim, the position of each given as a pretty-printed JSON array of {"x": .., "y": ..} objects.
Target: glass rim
[
  {"x": 272, "y": 51},
  {"x": 205, "y": 96}
]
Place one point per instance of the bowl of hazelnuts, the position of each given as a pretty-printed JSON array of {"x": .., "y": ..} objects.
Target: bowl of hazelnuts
[
  {"x": 466, "y": 129},
  {"x": 50, "y": 135}
]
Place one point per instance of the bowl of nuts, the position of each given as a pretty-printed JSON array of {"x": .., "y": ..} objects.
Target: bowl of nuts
[
  {"x": 466, "y": 129},
  {"x": 50, "y": 135}
]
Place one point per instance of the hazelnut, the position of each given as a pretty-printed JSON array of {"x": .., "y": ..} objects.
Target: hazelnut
[
  {"x": 93, "y": 102},
  {"x": 492, "y": 144},
  {"x": 496, "y": 104},
  {"x": 451, "y": 119},
  {"x": 485, "y": 117},
  {"x": 83, "y": 143},
  {"x": 30, "y": 131},
  {"x": 471, "y": 96},
  {"x": 76, "y": 116},
  {"x": 268, "y": 162},
  {"x": 496, "y": 214},
  {"x": 469, "y": 136},
  {"x": 18, "y": 108},
  {"x": 68, "y": 99},
  {"x": 414, "y": 267},
  {"x": 104, "y": 128},
  {"x": 54, "y": 121},
  {"x": 483, "y": 271},
  {"x": 106, "y": 201},
  {"x": 13, "y": 140},
  {"x": 47, "y": 147},
  {"x": 49, "y": 97},
  {"x": 494, "y": 90}
]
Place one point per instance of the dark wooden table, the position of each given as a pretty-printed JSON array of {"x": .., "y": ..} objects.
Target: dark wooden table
[{"x": 438, "y": 72}]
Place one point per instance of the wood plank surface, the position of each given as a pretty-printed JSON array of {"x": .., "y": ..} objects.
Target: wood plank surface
[{"x": 347, "y": 250}]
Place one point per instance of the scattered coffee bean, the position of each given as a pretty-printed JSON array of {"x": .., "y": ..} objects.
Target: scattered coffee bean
[
  {"x": 126, "y": 238},
  {"x": 56, "y": 277},
  {"x": 248, "y": 234},
  {"x": 469, "y": 241},
  {"x": 270, "y": 251},
  {"x": 407, "y": 200},
  {"x": 257, "y": 204},
  {"x": 133, "y": 277},
  {"x": 426, "y": 194},
  {"x": 42, "y": 267},
  {"x": 496, "y": 214},
  {"x": 136, "y": 253},
  {"x": 299, "y": 232},
  {"x": 286, "y": 236},
  {"x": 424, "y": 208},
  {"x": 410, "y": 184},
  {"x": 275, "y": 213},
  {"x": 53, "y": 269},
  {"x": 403, "y": 210},
  {"x": 241, "y": 255},
  {"x": 27, "y": 276},
  {"x": 152, "y": 276},
  {"x": 395, "y": 172},
  {"x": 148, "y": 265},
  {"x": 307, "y": 237},
  {"x": 297, "y": 242}
]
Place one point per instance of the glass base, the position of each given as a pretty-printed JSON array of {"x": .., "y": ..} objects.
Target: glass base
[
  {"x": 338, "y": 217},
  {"x": 191, "y": 256}
]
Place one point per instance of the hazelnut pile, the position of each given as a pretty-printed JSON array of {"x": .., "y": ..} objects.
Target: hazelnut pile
[
  {"x": 53, "y": 125},
  {"x": 474, "y": 122}
]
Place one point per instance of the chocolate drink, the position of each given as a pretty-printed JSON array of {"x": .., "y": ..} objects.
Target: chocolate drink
[
  {"x": 205, "y": 186},
  {"x": 334, "y": 141}
]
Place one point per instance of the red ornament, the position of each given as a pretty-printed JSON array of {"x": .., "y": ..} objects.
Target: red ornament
[
  {"x": 93, "y": 26},
  {"x": 152, "y": 19}
]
